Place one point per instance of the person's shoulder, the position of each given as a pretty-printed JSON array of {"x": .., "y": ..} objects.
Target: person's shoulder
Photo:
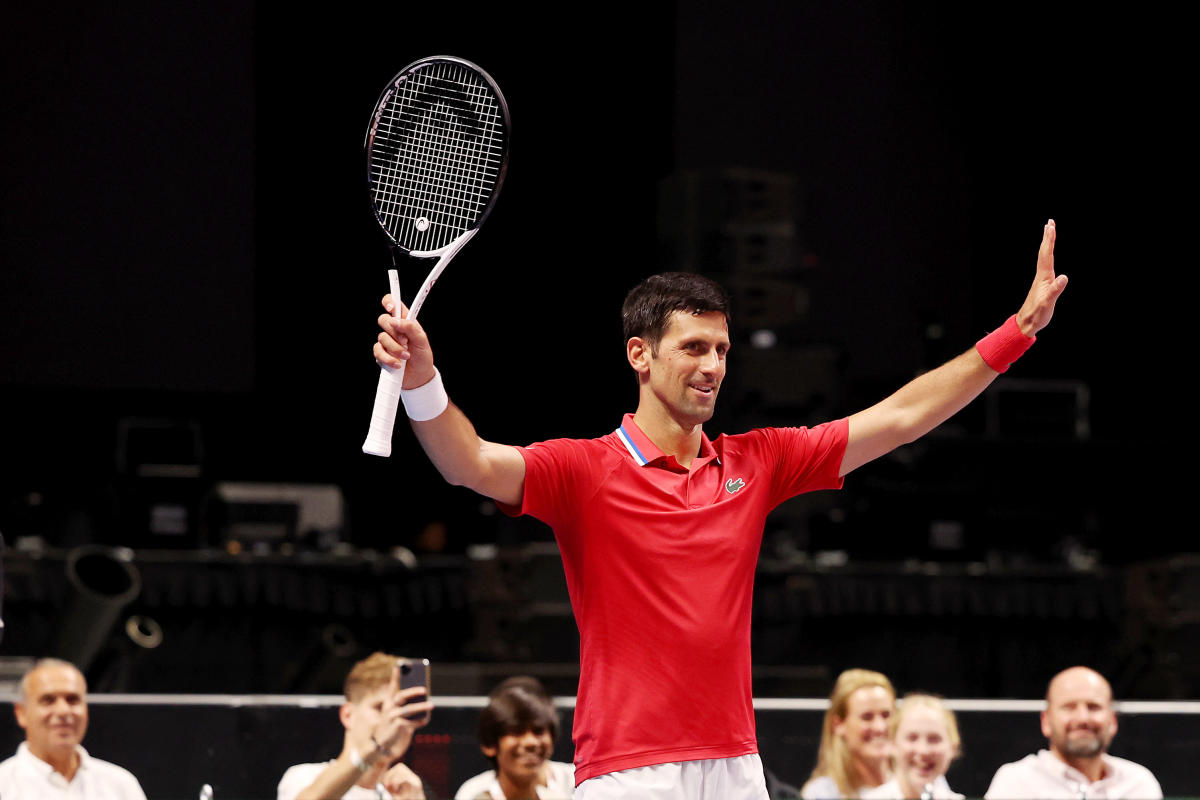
[
  {"x": 7, "y": 767},
  {"x": 1028, "y": 762},
  {"x": 298, "y": 777},
  {"x": 109, "y": 768},
  {"x": 596, "y": 446},
  {"x": 301, "y": 769},
  {"x": 822, "y": 788},
  {"x": 833, "y": 428},
  {"x": 1134, "y": 771},
  {"x": 475, "y": 785},
  {"x": 1012, "y": 777},
  {"x": 1132, "y": 766},
  {"x": 884, "y": 791}
]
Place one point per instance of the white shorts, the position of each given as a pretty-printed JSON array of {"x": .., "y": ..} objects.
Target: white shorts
[{"x": 737, "y": 778}]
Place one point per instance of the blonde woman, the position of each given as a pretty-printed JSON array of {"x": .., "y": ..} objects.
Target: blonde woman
[
  {"x": 925, "y": 740},
  {"x": 855, "y": 747}
]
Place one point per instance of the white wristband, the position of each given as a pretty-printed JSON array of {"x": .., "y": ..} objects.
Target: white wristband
[
  {"x": 357, "y": 760},
  {"x": 425, "y": 402}
]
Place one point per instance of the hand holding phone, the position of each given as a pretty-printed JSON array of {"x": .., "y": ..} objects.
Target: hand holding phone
[{"x": 414, "y": 672}]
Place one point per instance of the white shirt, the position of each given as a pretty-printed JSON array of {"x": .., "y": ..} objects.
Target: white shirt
[
  {"x": 301, "y": 776},
  {"x": 822, "y": 788},
  {"x": 1047, "y": 776},
  {"x": 560, "y": 785},
  {"x": 891, "y": 791},
  {"x": 27, "y": 777}
]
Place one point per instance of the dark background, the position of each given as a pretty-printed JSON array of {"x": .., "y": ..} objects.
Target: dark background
[{"x": 186, "y": 245}]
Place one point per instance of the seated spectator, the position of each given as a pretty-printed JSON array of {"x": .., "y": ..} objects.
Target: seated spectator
[
  {"x": 1079, "y": 722},
  {"x": 51, "y": 762},
  {"x": 924, "y": 741},
  {"x": 379, "y": 719},
  {"x": 517, "y": 731},
  {"x": 855, "y": 748}
]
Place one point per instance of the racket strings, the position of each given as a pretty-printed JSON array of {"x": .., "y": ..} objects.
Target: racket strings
[
  {"x": 436, "y": 155},
  {"x": 435, "y": 178}
]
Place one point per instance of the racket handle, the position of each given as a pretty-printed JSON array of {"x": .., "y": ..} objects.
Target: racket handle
[
  {"x": 383, "y": 416},
  {"x": 387, "y": 392}
]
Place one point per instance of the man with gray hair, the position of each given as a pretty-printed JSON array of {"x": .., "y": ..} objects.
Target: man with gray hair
[
  {"x": 1079, "y": 722},
  {"x": 51, "y": 763}
]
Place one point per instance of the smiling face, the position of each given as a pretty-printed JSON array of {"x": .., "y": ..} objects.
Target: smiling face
[
  {"x": 682, "y": 374},
  {"x": 924, "y": 748},
  {"x": 53, "y": 711},
  {"x": 521, "y": 756},
  {"x": 1079, "y": 719},
  {"x": 864, "y": 729}
]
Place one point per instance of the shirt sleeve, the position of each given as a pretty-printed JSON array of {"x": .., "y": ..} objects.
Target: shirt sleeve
[
  {"x": 135, "y": 789},
  {"x": 1147, "y": 787},
  {"x": 552, "y": 476},
  {"x": 1004, "y": 786},
  {"x": 807, "y": 459},
  {"x": 295, "y": 780}
]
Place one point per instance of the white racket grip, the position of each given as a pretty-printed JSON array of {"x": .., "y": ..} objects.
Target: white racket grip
[
  {"x": 383, "y": 416},
  {"x": 387, "y": 392}
]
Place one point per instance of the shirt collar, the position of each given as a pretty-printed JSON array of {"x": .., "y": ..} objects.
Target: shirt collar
[
  {"x": 645, "y": 453},
  {"x": 1059, "y": 767},
  {"x": 25, "y": 754}
]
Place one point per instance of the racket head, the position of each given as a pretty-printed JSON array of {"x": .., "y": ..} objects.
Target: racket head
[{"x": 437, "y": 153}]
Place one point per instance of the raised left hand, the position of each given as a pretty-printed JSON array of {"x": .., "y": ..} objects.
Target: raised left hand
[{"x": 1038, "y": 307}]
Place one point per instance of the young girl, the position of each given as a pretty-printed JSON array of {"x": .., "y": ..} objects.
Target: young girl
[{"x": 925, "y": 738}]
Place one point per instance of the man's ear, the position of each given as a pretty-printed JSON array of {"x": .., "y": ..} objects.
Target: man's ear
[
  {"x": 1045, "y": 725},
  {"x": 490, "y": 752},
  {"x": 639, "y": 353},
  {"x": 346, "y": 714},
  {"x": 19, "y": 712}
]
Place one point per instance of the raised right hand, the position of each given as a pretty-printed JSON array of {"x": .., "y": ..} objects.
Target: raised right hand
[{"x": 403, "y": 340}]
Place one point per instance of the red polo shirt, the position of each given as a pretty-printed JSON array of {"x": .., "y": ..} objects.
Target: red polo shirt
[{"x": 660, "y": 562}]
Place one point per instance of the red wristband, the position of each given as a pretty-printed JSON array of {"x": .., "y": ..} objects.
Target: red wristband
[{"x": 1003, "y": 346}]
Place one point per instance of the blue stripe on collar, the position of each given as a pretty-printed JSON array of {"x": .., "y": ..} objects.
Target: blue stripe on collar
[{"x": 631, "y": 447}]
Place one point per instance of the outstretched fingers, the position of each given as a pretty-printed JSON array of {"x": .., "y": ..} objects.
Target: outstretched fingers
[{"x": 1038, "y": 308}]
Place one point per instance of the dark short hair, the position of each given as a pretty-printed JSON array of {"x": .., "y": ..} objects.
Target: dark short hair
[
  {"x": 517, "y": 705},
  {"x": 648, "y": 306}
]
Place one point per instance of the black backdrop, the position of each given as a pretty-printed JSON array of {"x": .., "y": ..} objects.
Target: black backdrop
[{"x": 184, "y": 232}]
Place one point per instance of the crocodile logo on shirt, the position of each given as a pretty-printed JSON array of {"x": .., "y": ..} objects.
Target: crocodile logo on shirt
[{"x": 732, "y": 485}]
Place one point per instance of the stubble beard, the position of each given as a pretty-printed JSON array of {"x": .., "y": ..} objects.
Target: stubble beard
[{"x": 1089, "y": 748}]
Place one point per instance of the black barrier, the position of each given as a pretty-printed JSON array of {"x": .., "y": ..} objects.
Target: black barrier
[{"x": 243, "y": 750}]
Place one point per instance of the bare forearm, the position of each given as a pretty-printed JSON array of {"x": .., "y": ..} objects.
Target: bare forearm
[
  {"x": 464, "y": 459},
  {"x": 448, "y": 437},
  {"x": 916, "y": 408},
  {"x": 452, "y": 445},
  {"x": 930, "y": 399}
]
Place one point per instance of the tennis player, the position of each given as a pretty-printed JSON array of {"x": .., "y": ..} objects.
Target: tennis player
[{"x": 659, "y": 527}]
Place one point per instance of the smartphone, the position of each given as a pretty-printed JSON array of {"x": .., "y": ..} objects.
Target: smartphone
[{"x": 415, "y": 672}]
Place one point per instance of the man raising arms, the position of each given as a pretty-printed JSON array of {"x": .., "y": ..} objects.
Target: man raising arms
[{"x": 660, "y": 527}]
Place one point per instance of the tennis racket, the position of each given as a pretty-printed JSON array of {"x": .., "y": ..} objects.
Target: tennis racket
[{"x": 437, "y": 151}]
